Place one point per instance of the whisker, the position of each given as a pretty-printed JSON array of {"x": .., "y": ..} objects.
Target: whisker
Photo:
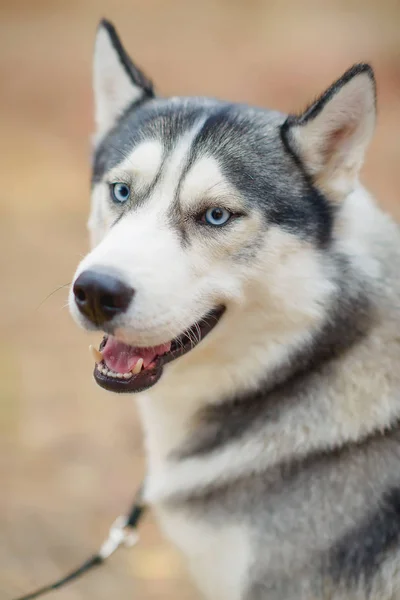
[
  {"x": 53, "y": 292},
  {"x": 192, "y": 338},
  {"x": 198, "y": 332},
  {"x": 177, "y": 339}
]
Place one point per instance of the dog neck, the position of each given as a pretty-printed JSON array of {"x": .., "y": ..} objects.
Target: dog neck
[{"x": 262, "y": 391}]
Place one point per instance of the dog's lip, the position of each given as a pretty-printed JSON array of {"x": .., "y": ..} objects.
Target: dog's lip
[
  {"x": 137, "y": 383},
  {"x": 149, "y": 377}
]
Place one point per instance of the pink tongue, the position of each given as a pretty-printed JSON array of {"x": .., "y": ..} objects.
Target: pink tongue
[{"x": 121, "y": 358}]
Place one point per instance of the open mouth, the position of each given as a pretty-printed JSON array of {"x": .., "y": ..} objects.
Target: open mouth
[{"x": 123, "y": 368}]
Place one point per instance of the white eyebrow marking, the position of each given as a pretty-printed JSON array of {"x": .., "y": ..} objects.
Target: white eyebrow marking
[
  {"x": 205, "y": 179},
  {"x": 164, "y": 193},
  {"x": 144, "y": 162}
]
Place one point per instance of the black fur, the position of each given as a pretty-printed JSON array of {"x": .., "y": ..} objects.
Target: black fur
[
  {"x": 136, "y": 75},
  {"x": 251, "y": 158},
  {"x": 153, "y": 119},
  {"x": 316, "y": 107},
  {"x": 363, "y": 549},
  {"x": 247, "y": 145}
]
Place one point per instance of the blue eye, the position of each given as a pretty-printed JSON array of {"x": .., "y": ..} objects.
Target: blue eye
[
  {"x": 217, "y": 216},
  {"x": 120, "y": 192}
]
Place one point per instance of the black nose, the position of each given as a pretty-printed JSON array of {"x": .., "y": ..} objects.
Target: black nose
[{"x": 101, "y": 296}]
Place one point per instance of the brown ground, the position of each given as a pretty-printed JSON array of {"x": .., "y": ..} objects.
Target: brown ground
[{"x": 71, "y": 456}]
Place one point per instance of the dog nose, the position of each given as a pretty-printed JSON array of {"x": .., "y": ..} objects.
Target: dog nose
[{"x": 101, "y": 296}]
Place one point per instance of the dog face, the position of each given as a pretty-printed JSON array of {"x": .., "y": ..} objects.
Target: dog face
[{"x": 203, "y": 210}]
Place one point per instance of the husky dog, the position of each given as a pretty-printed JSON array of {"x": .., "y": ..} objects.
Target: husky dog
[{"x": 248, "y": 289}]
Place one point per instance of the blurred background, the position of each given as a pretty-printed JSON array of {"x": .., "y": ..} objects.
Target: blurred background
[{"x": 70, "y": 454}]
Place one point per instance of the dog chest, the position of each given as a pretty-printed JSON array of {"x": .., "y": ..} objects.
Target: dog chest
[{"x": 218, "y": 556}]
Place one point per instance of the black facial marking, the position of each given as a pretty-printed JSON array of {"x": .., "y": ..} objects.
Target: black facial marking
[
  {"x": 178, "y": 222},
  {"x": 316, "y": 107},
  {"x": 361, "y": 551},
  {"x": 153, "y": 120},
  {"x": 247, "y": 144},
  {"x": 134, "y": 73},
  {"x": 251, "y": 156}
]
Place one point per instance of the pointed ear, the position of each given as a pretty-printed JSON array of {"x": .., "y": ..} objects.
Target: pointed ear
[
  {"x": 117, "y": 82},
  {"x": 330, "y": 138}
]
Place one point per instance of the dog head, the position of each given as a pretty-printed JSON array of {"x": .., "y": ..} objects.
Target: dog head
[{"x": 205, "y": 213}]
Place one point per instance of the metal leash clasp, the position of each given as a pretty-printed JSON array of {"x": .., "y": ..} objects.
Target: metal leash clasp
[{"x": 120, "y": 534}]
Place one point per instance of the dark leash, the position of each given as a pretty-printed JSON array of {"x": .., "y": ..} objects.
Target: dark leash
[{"x": 122, "y": 533}]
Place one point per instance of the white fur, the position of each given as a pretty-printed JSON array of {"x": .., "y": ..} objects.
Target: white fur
[
  {"x": 333, "y": 143},
  {"x": 142, "y": 164},
  {"x": 274, "y": 305},
  {"x": 175, "y": 286},
  {"x": 114, "y": 89},
  {"x": 218, "y": 556},
  {"x": 216, "y": 370},
  {"x": 101, "y": 216},
  {"x": 283, "y": 296},
  {"x": 205, "y": 182},
  {"x": 142, "y": 244}
]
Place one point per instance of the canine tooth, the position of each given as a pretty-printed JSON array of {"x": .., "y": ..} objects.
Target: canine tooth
[
  {"x": 97, "y": 355},
  {"x": 138, "y": 367}
]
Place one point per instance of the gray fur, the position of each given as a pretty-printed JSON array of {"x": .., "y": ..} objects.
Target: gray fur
[
  {"x": 323, "y": 515},
  {"x": 348, "y": 322},
  {"x": 248, "y": 146}
]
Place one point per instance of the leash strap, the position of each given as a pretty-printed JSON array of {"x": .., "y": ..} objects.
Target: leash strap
[
  {"x": 92, "y": 562},
  {"x": 122, "y": 533}
]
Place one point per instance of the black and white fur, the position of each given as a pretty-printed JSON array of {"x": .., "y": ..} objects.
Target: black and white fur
[{"x": 273, "y": 447}]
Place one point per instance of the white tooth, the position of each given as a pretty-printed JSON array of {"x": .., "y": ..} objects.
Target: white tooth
[
  {"x": 97, "y": 355},
  {"x": 138, "y": 367},
  {"x": 119, "y": 375},
  {"x": 127, "y": 375}
]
